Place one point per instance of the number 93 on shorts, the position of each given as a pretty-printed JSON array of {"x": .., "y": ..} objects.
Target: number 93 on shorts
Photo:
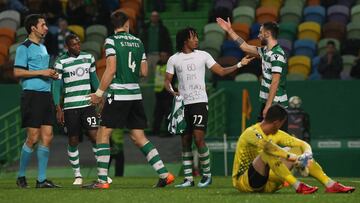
[{"x": 80, "y": 119}]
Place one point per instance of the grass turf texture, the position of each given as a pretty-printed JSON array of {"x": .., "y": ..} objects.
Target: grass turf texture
[{"x": 139, "y": 189}]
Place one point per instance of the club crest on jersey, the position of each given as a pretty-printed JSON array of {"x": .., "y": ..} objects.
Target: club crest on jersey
[
  {"x": 109, "y": 100},
  {"x": 258, "y": 135}
]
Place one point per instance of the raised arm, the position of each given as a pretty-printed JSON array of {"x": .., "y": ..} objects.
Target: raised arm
[
  {"x": 221, "y": 71},
  {"x": 226, "y": 25}
]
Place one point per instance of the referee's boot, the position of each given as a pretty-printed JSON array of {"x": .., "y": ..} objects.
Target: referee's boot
[
  {"x": 46, "y": 184},
  {"x": 186, "y": 183},
  {"x": 165, "y": 181},
  {"x": 205, "y": 181},
  {"x": 21, "y": 182}
]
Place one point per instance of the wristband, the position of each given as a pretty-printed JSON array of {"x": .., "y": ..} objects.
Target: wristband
[
  {"x": 99, "y": 93},
  {"x": 239, "y": 65}
]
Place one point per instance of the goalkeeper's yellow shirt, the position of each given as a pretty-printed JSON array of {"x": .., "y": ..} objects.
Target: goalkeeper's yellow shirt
[{"x": 251, "y": 143}]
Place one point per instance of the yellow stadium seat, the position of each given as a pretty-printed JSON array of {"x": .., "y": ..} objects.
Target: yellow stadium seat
[
  {"x": 309, "y": 30},
  {"x": 78, "y": 30},
  {"x": 300, "y": 64}
]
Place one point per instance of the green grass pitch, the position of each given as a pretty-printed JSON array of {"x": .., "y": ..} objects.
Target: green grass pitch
[{"x": 139, "y": 189}]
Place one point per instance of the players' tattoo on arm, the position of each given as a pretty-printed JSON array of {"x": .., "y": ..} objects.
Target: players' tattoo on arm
[{"x": 239, "y": 41}]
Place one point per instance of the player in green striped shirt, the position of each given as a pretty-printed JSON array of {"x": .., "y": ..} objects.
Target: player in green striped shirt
[
  {"x": 274, "y": 63},
  {"x": 125, "y": 64},
  {"x": 77, "y": 76}
]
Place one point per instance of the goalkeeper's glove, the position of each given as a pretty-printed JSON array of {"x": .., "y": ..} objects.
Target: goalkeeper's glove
[{"x": 303, "y": 160}]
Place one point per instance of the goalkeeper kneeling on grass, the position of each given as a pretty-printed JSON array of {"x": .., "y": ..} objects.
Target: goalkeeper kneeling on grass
[{"x": 261, "y": 165}]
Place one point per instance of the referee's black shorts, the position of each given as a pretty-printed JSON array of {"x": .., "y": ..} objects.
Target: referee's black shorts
[{"x": 37, "y": 109}]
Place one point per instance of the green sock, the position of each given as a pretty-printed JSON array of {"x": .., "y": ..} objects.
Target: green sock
[
  {"x": 204, "y": 156},
  {"x": 73, "y": 154},
  {"x": 187, "y": 161},
  {"x": 103, "y": 158},
  {"x": 152, "y": 156}
]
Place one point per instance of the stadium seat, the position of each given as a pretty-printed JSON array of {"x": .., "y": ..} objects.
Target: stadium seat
[
  {"x": 226, "y": 61},
  {"x": 254, "y": 30},
  {"x": 245, "y": 77},
  {"x": 242, "y": 29},
  {"x": 21, "y": 34},
  {"x": 294, "y": 3},
  {"x": 210, "y": 47},
  {"x": 133, "y": 5},
  {"x": 309, "y": 30},
  {"x": 53, "y": 29},
  {"x": 271, "y": 3},
  {"x": 347, "y": 3},
  {"x": 287, "y": 31},
  {"x": 230, "y": 48},
  {"x": 313, "y": 2},
  {"x": 7, "y": 36},
  {"x": 213, "y": 33},
  {"x": 93, "y": 48},
  {"x": 295, "y": 77},
  {"x": 78, "y": 30},
  {"x": 291, "y": 14},
  {"x": 12, "y": 50},
  {"x": 348, "y": 62},
  {"x": 353, "y": 30},
  {"x": 314, "y": 14},
  {"x": 315, "y": 75},
  {"x": 244, "y": 14},
  {"x": 334, "y": 30},
  {"x": 254, "y": 42},
  {"x": 266, "y": 14},
  {"x": 355, "y": 13},
  {"x": 10, "y": 19},
  {"x": 305, "y": 48},
  {"x": 338, "y": 13},
  {"x": 350, "y": 46},
  {"x": 286, "y": 45},
  {"x": 299, "y": 64},
  {"x": 100, "y": 67},
  {"x": 3, "y": 53},
  {"x": 96, "y": 33},
  {"x": 323, "y": 43},
  {"x": 250, "y": 3}
]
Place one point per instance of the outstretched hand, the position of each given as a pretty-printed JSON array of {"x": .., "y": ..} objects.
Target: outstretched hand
[
  {"x": 246, "y": 60},
  {"x": 225, "y": 25}
]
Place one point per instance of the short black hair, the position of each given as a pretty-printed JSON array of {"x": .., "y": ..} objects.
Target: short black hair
[
  {"x": 273, "y": 27},
  {"x": 32, "y": 20},
  {"x": 182, "y": 36},
  {"x": 70, "y": 37},
  {"x": 330, "y": 42},
  {"x": 118, "y": 19},
  {"x": 276, "y": 113}
]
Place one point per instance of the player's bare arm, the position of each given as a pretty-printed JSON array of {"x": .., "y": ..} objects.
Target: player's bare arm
[
  {"x": 272, "y": 92},
  {"x": 168, "y": 86},
  {"x": 22, "y": 73},
  {"x": 106, "y": 79},
  {"x": 144, "y": 68},
  {"x": 226, "y": 25},
  {"x": 221, "y": 71}
]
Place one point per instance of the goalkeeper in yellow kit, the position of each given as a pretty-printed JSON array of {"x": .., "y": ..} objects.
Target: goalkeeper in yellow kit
[{"x": 261, "y": 165}]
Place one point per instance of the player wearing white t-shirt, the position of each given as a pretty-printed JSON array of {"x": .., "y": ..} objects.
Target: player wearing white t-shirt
[{"x": 190, "y": 66}]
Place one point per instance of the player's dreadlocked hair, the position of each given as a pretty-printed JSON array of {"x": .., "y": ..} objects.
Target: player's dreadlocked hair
[
  {"x": 182, "y": 36},
  {"x": 276, "y": 113}
]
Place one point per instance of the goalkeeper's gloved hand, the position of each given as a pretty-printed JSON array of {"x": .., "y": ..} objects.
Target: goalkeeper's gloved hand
[{"x": 303, "y": 160}]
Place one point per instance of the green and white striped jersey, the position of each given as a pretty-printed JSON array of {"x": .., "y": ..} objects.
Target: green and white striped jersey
[
  {"x": 129, "y": 52},
  {"x": 273, "y": 61},
  {"x": 75, "y": 73}
]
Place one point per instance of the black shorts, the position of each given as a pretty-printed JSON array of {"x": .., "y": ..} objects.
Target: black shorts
[
  {"x": 120, "y": 114},
  {"x": 80, "y": 119},
  {"x": 37, "y": 109},
  {"x": 256, "y": 180},
  {"x": 196, "y": 116}
]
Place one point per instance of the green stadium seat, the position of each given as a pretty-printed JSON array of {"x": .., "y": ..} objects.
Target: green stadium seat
[
  {"x": 291, "y": 14},
  {"x": 10, "y": 19},
  {"x": 353, "y": 30},
  {"x": 287, "y": 31},
  {"x": 244, "y": 14},
  {"x": 295, "y": 3},
  {"x": 348, "y": 62},
  {"x": 244, "y": 77},
  {"x": 295, "y": 77},
  {"x": 355, "y": 13},
  {"x": 214, "y": 33},
  {"x": 251, "y": 3},
  {"x": 93, "y": 48},
  {"x": 96, "y": 33},
  {"x": 211, "y": 48},
  {"x": 21, "y": 34},
  {"x": 322, "y": 45}
]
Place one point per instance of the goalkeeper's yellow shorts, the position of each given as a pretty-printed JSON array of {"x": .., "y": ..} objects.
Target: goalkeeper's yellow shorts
[{"x": 273, "y": 183}]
